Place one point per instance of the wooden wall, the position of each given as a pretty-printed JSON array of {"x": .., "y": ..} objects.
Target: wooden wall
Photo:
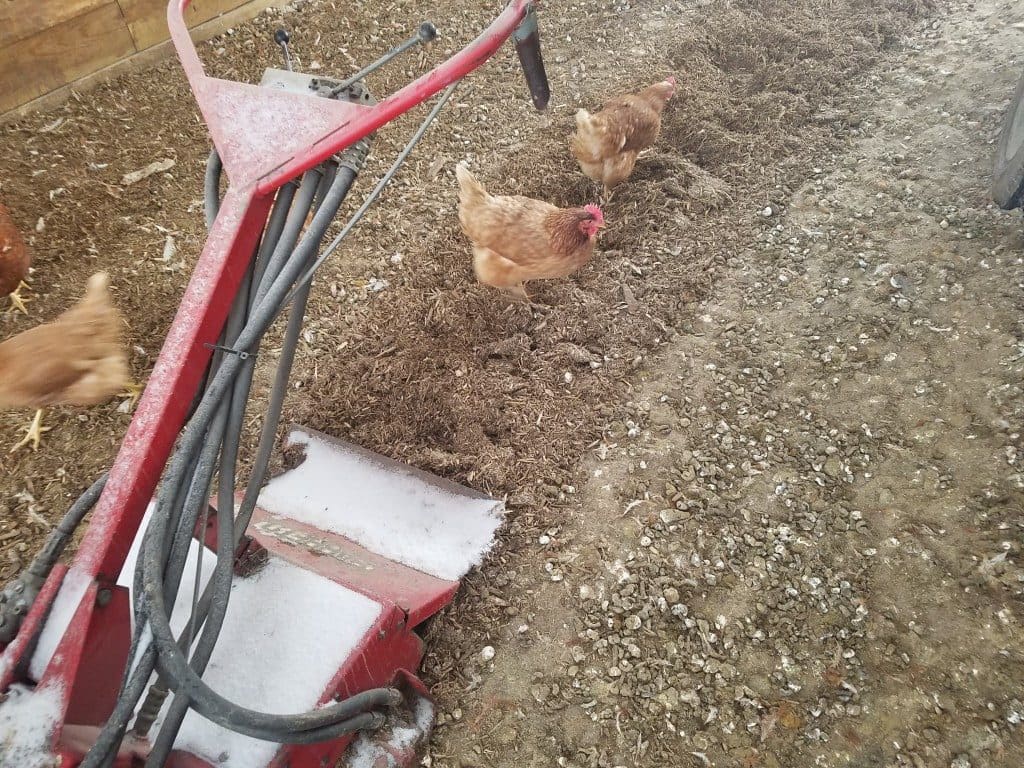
[{"x": 46, "y": 45}]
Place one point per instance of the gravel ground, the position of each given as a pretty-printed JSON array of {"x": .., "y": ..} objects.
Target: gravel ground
[{"x": 800, "y": 540}]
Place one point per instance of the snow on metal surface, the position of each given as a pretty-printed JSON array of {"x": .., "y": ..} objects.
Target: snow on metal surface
[
  {"x": 367, "y": 752},
  {"x": 27, "y": 721},
  {"x": 286, "y": 634},
  {"x": 385, "y": 509},
  {"x": 72, "y": 588},
  {"x": 183, "y": 603}
]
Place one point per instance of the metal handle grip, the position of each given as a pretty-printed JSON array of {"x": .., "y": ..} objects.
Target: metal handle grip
[{"x": 527, "y": 40}]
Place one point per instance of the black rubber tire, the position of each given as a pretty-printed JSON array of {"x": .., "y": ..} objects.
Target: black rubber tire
[{"x": 1008, "y": 176}]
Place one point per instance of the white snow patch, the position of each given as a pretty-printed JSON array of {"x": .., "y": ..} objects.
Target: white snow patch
[
  {"x": 68, "y": 598},
  {"x": 27, "y": 721},
  {"x": 286, "y": 633},
  {"x": 366, "y": 753},
  {"x": 387, "y": 510},
  {"x": 183, "y": 604}
]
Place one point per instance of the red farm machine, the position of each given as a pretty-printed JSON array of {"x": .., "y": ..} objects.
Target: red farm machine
[{"x": 208, "y": 622}]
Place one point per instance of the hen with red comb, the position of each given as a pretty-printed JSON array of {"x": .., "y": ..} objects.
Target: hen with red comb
[{"x": 517, "y": 238}]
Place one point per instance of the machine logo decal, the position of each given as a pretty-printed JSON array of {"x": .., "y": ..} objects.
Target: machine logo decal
[{"x": 314, "y": 544}]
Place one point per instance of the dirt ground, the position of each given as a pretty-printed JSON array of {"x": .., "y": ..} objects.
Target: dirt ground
[{"x": 765, "y": 500}]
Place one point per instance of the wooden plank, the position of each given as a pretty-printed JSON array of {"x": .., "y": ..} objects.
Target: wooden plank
[
  {"x": 147, "y": 19},
  {"x": 132, "y": 63},
  {"x": 50, "y": 58},
  {"x": 22, "y": 18}
]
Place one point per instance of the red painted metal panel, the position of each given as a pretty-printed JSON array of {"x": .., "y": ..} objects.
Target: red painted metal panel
[
  {"x": 175, "y": 379},
  {"x": 345, "y": 562},
  {"x": 274, "y": 150},
  {"x": 98, "y": 673}
]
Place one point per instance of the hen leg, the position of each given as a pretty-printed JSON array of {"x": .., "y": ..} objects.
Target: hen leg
[
  {"x": 34, "y": 433},
  {"x": 519, "y": 292},
  {"x": 17, "y": 300},
  {"x": 132, "y": 391}
]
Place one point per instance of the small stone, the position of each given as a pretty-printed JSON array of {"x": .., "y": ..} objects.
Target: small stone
[
  {"x": 487, "y": 653},
  {"x": 832, "y": 466}
]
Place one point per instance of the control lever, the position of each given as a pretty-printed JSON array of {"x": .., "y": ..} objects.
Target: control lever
[
  {"x": 427, "y": 33},
  {"x": 527, "y": 40},
  {"x": 281, "y": 37}
]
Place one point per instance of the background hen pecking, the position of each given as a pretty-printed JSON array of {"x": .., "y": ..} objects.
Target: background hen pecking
[
  {"x": 517, "y": 238},
  {"x": 606, "y": 144}
]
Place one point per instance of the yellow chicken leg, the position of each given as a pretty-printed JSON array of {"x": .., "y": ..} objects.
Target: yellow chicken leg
[
  {"x": 132, "y": 391},
  {"x": 34, "y": 433},
  {"x": 519, "y": 292},
  {"x": 17, "y": 300}
]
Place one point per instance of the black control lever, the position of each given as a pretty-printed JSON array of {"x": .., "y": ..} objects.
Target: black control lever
[
  {"x": 425, "y": 34},
  {"x": 527, "y": 40},
  {"x": 281, "y": 37}
]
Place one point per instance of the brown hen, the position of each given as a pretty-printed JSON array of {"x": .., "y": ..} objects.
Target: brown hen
[
  {"x": 77, "y": 359},
  {"x": 606, "y": 144},
  {"x": 14, "y": 260},
  {"x": 517, "y": 238}
]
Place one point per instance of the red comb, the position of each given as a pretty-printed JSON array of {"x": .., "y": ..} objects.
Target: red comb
[{"x": 594, "y": 211}]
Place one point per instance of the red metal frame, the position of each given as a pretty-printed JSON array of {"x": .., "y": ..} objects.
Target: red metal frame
[{"x": 260, "y": 152}]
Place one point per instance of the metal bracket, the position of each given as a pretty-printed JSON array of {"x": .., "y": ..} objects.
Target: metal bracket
[
  {"x": 16, "y": 599},
  {"x": 242, "y": 354}
]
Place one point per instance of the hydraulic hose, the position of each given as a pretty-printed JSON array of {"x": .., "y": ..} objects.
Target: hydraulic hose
[
  {"x": 280, "y": 274},
  {"x": 277, "y": 250},
  {"x": 172, "y": 662},
  {"x": 204, "y": 649}
]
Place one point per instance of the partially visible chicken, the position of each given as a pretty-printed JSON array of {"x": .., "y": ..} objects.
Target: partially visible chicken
[
  {"x": 606, "y": 144},
  {"x": 14, "y": 260},
  {"x": 517, "y": 238},
  {"x": 77, "y": 359}
]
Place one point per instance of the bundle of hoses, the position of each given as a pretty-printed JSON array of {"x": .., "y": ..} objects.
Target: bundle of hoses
[
  {"x": 279, "y": 276},
  {"x": 208, "y": 449}
]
